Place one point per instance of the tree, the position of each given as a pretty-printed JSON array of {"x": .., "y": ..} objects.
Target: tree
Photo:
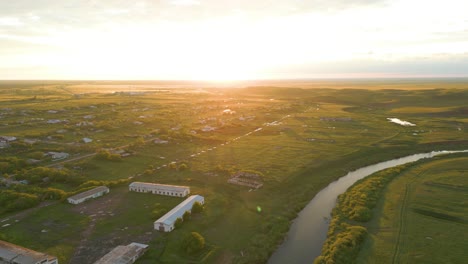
[
  {"x": 178, "y": 222},
  {"x": 186, "y": 215},
  {"x": 183, "y": 167},
  {"x": 197, "y": 207},
  {"x": 172, "y": 166},
  {"x": 194, "y": 243}
]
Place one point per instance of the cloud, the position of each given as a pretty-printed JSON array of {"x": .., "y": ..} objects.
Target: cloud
[
  {"x": 184, "y": 2},
  {"x": 10, "y": 21}
]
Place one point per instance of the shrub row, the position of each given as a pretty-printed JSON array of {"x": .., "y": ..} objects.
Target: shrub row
[{"x": 345, "y": 234}]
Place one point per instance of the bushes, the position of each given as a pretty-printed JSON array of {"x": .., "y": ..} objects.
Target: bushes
[
  {"x": 13, "y": 201},
  {"x": 345, "y": 246},
  {"x": 178, "y": 223},
  {"x": 38, "y": 174},
  {"x": 197, "y": 207},
  {"x": 106, "y": 155},
  {"x": 344, "y": 237},
  {"x": 193, "y": 243}
]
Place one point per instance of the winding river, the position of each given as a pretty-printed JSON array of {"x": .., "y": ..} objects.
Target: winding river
[{"x": 308, "y": 232}]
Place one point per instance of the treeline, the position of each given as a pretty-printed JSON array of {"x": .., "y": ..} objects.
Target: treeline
[
  {"x": 347, "y": 232},
  {"x": 44, "y": 176},
  {"x": 11, "y": 164},
  {"x": 22, "y": 196}
]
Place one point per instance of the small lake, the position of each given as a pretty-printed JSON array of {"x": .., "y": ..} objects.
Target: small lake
[{"x": 308, "y": 231}]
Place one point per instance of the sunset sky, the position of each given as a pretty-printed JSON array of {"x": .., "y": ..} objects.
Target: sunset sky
[{"x": 224, "y": 40}]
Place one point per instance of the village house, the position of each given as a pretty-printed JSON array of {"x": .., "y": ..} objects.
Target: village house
[
  {"x": 160, "y": 141},
  {"x": 162, "y": 189},
  {"x": 87, "y": 140},
  {"x": 5, "y": 141},
  {"x": 167, "y": 221},
  {"x": 124, "y": 254},
  {"x": 208, "y": 128},
  {"x": 57, "y": 155},
  {"x": 11, "y": 253},
  {"x": 90, "y": 194}
]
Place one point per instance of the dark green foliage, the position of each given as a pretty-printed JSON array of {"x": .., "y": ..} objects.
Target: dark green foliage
[
  {"x": 186, "y": 216},
  {"x": 104, "y": 183},
  {"x": 106, "y": 155},
  {"x": 193, "y": 243},
  {"x": 11, "y": 164},
  {"x": 44, "y": 174},
  {"x": 178, "y": 223},
  {"x": 158, "y": 211},
  {"x": 197, "y": 207},
  {"x": 13, "y": 201}
]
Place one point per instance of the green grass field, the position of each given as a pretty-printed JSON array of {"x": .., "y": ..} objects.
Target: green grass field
[
  {"x": 423, "y": 216},
  {"x": 320, "y": 134}
]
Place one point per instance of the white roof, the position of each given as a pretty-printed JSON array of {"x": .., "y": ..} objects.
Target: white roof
[
  {"x": 159, "y": 186},
  {"x": 122, "y": 254},
  {"x": 20, "y": 254},
  {"x": 178, "y": 211},
  {"x": 89, "y": 193}
]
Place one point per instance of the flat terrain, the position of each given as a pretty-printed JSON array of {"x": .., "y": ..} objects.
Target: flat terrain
[
  {"x": 423, "y": 216},
  {"x": 199, "y": 135}
]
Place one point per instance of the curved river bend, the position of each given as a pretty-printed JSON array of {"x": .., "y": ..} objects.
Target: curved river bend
[{"x": 308, "y": 232}]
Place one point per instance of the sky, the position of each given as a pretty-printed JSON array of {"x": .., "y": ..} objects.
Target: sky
[{"x": 232, "y": 40}]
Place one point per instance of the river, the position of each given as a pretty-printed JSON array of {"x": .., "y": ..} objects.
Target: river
[{"x": 308, "y": 231}]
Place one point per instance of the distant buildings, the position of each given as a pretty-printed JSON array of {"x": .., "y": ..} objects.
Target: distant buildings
[
  {"x": 208, "y": 129},
  {"x": 57, "y": 155},
  {"x": 5, "y": 141},
  {"x": 160, "y": 141},
  {"x": 161, "y": 189},
  {"x": 90, "y": 194},
  {"x": 87, "y": 140},
  {"x": 14, "y": 254},
  {"x": 167, "y": 221},
  {"x": 123, "y": 254}
]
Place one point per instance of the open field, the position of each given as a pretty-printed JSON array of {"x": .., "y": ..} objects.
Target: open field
[
  {"x": 299, "y": 139},
  {"x": 422, "y": 217}
]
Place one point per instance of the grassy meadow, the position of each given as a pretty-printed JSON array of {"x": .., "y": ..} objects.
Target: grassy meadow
[
  {"x": 422, "y": 216},
  {"x": 300, "y": 136}
]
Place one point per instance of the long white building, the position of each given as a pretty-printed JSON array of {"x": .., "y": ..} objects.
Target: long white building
[
  {"x": 167, "y": 221},
  {"x": 162, "y": 189},
  {"x": 90, "y": 194},
  {"x": 11, "y": 253}
]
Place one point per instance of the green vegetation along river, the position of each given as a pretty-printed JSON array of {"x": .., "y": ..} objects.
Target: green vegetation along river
[{"x": 308, "y": 232}]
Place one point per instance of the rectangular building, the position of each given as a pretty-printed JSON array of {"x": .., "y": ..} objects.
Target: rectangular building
[
  {"x": 14, "y": 254},
  {"x": 162, "y": 189},
  {"x": 90, "y": 194},
  {"x": 167, "y": 221},
  {"x": 123, "y": 254}
]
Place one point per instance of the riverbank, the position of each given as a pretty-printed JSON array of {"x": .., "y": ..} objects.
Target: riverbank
[
  {"x": 422, "y": 216},
  {"x": 349, "y": 225}
]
